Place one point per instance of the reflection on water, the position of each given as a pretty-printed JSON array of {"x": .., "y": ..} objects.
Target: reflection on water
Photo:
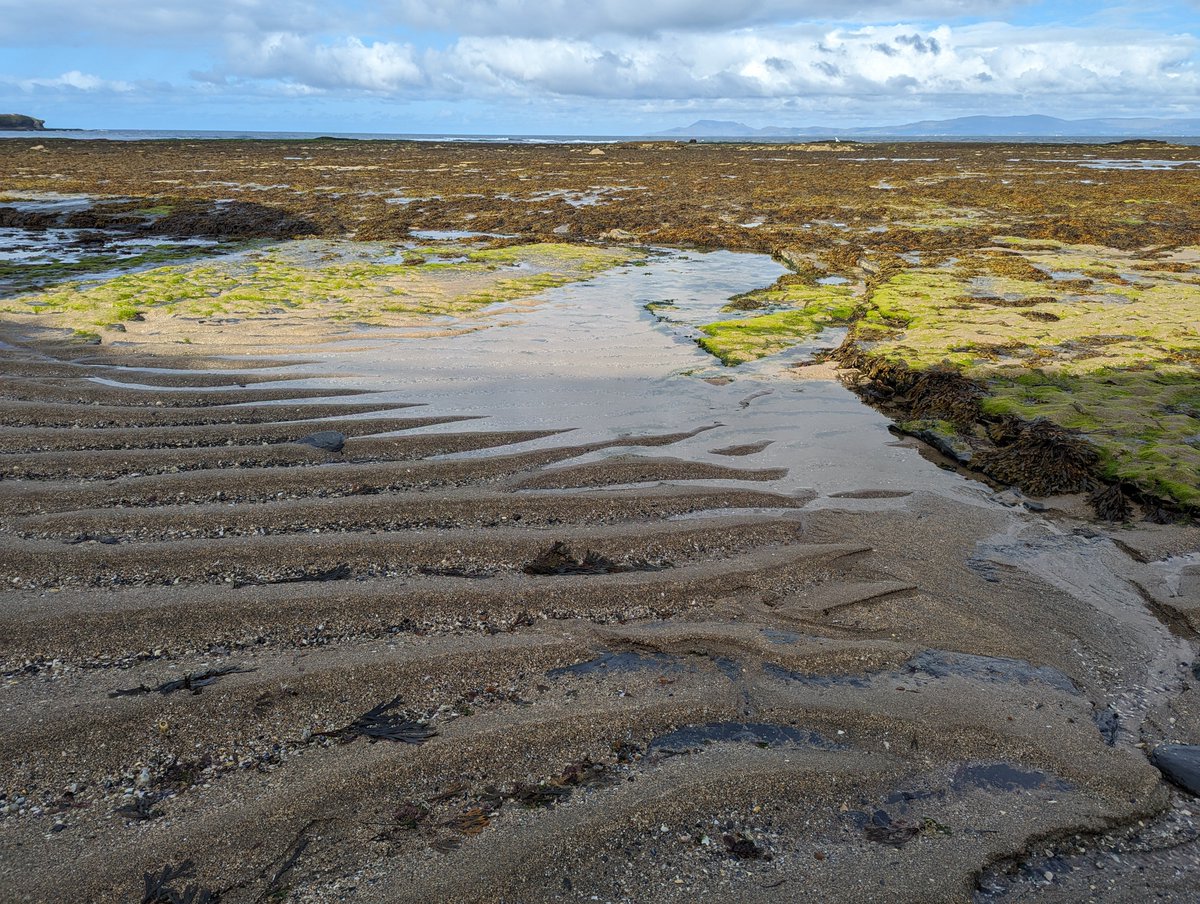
[{"x": 589, "y": 356}]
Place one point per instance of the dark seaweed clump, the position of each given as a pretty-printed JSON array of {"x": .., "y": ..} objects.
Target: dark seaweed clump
[
  {"x": 560, "y": 559},
  {"x": 940, "y": 393},
  {"x": 157, "y": 887},
  {"x": 380, "y": 723},
  {"x": 193, "y": 682},
  {"x": 1042, "y": 458},
  {"x": 1111, "y": 504}
]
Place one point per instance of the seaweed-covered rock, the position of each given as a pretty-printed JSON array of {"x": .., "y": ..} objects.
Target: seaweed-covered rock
[{"x": 942, "y": 436}]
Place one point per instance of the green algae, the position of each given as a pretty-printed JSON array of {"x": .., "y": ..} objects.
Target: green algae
[
  {"x": 942, "y": 435},
  {"x": 22, "y": 276},
  {"x": 1120, "y": 363},
  {"x": 798, "y": 310},
  {"x": 792, "y": 291},
  {"x": 1144, "y": 422},
  {"x": 157, "y": 210},
  {"x": 738, "y": 341},
  {"x": 337, "y": 285}
]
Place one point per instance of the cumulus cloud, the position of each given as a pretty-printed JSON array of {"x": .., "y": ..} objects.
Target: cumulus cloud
[
  {"x": 379, "y": 67},
  {"x": 701, "y": 55},
  {"x": 801, "y": 60}
]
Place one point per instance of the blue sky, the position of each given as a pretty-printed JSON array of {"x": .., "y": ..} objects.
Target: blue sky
[{"x": 597, "y": 67}]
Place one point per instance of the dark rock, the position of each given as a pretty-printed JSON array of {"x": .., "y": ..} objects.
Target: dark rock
[
  {"x": 743, "y": 847},
  {"x": 326, "y": 440},
  {"x": 1138, "y": 142},
  {"x": 1109, "y": 725},
  {"x": 1179, "y": 763}
]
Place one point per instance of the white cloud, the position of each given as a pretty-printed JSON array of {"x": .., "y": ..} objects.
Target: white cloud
[
  {"x": 379, "y": 67},
  {"x": 802, "y": 60},
  {"x": 784, "y": 57},
  {"x": 72, "y": 81},
  {"x": 25, "y": 23}
]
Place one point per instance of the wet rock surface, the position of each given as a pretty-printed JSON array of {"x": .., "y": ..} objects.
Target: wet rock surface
[
  {"x": 1181, "y": 764},
  {"x": 325, "y": 440}
]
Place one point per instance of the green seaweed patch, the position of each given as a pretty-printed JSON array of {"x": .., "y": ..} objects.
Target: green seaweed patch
[
  {"x": 158, "y": 210},
  {"x": 660, "y": 309},
  {"x": 552, "y": 255},
  {"x": 336, "y": 286},
  {"x": 942, "y": 435},
  {"x": 1134, "y": 327},
  {"x": 1143, "y": 422},
  {"x": 19, "y": 276},
  {"x": 1026, "y": 244},
  {"x": 1121, "y": 366},
  {"x": 735, "y": 342},
  {"x": 793, "y": 291}
]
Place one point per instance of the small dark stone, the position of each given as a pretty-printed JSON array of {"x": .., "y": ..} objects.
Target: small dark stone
[
  {"x": 1179, "y": 763},
  {"x": 326, "y": 440},
  {"x": 743, "y": 847}
]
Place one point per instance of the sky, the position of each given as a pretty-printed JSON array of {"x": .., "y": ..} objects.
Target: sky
[{"x": 589, "y": 67}]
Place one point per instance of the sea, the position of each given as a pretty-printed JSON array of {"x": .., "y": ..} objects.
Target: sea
[{"x": 201, "y": 135}]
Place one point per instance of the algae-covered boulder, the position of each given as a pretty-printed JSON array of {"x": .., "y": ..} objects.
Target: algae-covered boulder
[
  {"x": 15, "y": 122},
  {"x": 942, "y": 435}
]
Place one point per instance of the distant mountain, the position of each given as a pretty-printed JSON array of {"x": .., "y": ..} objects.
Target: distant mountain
[
  {"x": 15, "y": 122},
  {"x": 712, "y": 128},
  {"x": 961, "y": 127}
]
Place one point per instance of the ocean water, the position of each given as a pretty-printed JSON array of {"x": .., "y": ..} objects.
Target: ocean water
[{"x": 202, "y": 135}]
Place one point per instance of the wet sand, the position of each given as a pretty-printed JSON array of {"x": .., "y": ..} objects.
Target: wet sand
[{"x": 780, "y": 654}]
